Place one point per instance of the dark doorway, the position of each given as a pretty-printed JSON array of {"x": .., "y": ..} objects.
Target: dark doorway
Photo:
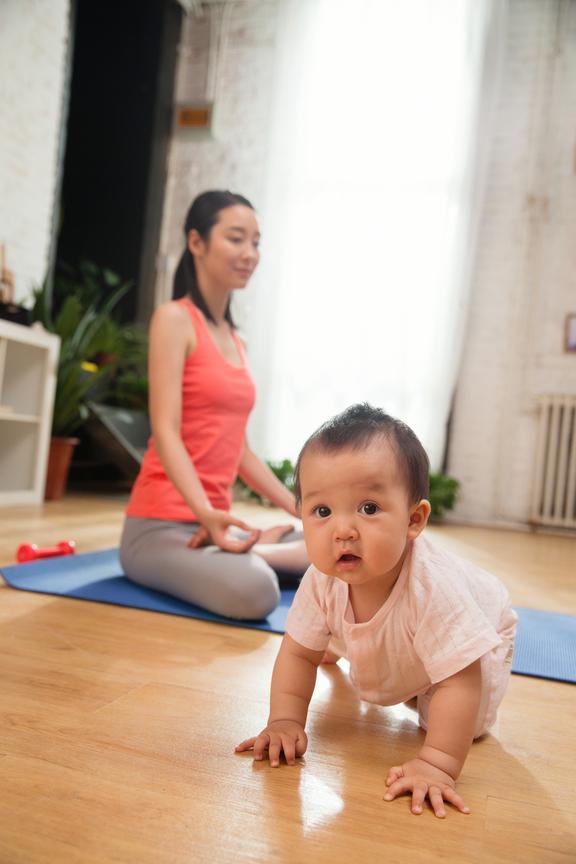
[{"x": 117, "y": 137}]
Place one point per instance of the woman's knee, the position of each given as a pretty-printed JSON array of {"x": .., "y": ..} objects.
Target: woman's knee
[
  {"x": 253, "y": 606},
  {"x": 236, "y": 586},
  {"x": 124, "y": 557},
  {"x": 253, "y": 595},
  {"x": 129, "y": 563}
]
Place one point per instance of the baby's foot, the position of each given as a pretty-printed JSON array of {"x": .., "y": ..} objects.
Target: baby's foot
[
  {"x": 330, "y": 657},
  {"x": 274, "y": 534}
]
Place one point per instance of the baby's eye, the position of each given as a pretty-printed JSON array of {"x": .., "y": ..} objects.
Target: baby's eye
[
  {"x": 369, "y": 509},
  {"x": 322, "y": 512}
]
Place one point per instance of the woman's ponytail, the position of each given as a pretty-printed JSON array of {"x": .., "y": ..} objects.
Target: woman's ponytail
[{"x": 185, "y": 276}]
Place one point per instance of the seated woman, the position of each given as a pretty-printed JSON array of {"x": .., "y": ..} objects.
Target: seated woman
[{"x": 179, "y": 534}]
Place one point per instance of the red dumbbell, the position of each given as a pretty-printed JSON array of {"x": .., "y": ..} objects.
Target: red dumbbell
[{"x": 31, "y": 552}]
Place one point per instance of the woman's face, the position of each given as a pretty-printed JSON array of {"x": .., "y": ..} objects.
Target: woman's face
[{"x": 230, "y": 255}]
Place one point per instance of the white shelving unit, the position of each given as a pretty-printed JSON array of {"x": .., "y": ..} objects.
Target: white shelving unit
[{"x": 28, "y": 360}]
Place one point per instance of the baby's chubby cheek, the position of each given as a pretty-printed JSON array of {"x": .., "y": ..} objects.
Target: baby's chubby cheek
[{"x": 318, "y": 551}]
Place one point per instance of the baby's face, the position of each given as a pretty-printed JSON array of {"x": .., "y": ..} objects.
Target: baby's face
[{"x": 355, "y": 511}]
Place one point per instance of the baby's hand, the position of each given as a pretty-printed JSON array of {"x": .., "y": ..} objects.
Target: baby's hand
[
  {"x": 423, "y": 780},
  {"x": 280, "y": 736}
]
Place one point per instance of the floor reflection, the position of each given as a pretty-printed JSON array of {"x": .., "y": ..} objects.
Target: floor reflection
[
  {"x": 319, "y": 802},
  {"x": 402, "y": 712}
]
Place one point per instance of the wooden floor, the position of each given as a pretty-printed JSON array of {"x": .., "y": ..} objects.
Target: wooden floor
[{"x": 117, "y": 731}]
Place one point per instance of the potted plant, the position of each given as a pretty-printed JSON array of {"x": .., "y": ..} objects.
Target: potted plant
[
  {"x": 443, "y": 493},
  {"x": 93, "y": 346}
]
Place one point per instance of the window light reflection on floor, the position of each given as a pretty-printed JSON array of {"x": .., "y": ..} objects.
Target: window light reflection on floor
[{"x": 319, "y": 802}]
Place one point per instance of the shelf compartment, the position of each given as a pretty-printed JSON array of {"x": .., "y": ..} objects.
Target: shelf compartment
[
  {"x": 19, "y": 418},
  {"x": 28, "y": 364},
  {"x": 18, "y": 448},
  {"x": 24, "y": 375}
]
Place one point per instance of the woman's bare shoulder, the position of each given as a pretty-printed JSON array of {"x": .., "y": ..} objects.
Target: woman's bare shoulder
[
  {"x": 171, "y": 311},
  {"x": 172, "y": 321}
]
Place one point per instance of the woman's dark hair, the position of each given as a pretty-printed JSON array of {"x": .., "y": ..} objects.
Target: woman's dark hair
[
  {"x": 357, "y": 427},
  {"x": 202, "y": 216}
]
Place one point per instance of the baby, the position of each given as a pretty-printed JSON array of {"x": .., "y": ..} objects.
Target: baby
[{"x": 412, "y": 620}]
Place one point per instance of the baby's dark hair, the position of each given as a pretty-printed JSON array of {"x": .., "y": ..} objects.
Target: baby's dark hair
[{"x": 356, "y": 428}]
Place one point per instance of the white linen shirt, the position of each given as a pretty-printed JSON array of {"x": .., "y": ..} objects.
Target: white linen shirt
[{"x": 442, "y": 614}]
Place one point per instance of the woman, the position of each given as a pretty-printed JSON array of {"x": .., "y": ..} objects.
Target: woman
[{"x": 179, "y": 535}]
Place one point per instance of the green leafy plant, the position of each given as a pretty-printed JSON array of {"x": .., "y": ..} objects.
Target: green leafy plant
[
  {"x": 96, "y": 351},
  {"x": 123, "y": 348},
  {"x": 443, "y": 492},
  {"x": 87, "y": 281},
  {"x": 284, "y": 470}
]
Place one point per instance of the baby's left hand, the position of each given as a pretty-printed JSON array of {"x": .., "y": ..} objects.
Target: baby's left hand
[{"x": 424, "y": 780}]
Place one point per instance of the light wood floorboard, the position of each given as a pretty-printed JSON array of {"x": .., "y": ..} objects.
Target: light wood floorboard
[{"x": 117, "y": 731}]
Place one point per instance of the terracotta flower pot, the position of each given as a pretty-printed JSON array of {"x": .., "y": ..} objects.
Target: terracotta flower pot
[{"x": 59, "y": 458}]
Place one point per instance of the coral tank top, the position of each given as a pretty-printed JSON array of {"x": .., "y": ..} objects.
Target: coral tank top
[{"x": 217, "y": 398}]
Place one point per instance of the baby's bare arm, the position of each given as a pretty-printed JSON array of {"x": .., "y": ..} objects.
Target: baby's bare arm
[
  {"x": 292, "y": 686},
  {"x": 293, "y": 681},
  {"x": 452, "y": 719}
]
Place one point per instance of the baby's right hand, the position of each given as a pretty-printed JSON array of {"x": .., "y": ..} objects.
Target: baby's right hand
[{"x": 280, "y": 736}]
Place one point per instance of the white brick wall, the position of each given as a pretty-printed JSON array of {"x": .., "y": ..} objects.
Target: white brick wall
[
  {"x": 235, "y": 155},
  {"x": 524, "y": 274},
  {"x": 33, "y": 37}
]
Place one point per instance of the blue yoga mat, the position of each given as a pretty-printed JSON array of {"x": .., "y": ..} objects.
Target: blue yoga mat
[
  {"x": 98, "y": 576},
  {"x": 545, "y": 643}
]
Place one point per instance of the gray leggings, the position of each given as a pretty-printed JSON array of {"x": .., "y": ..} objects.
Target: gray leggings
[{"x": 154, "y": 553}]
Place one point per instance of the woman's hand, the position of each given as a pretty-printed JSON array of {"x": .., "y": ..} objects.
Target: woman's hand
[
  {"x": 424, "y": 780},
  {"x": 214, "y": 530},
  {"x": 280, "y": 736}
]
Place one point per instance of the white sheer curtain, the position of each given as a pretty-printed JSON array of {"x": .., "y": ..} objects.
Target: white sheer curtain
[{"x": 367, "y": 225}]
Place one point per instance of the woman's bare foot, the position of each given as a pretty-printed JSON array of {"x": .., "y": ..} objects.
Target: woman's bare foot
[
  {"x": 330, "y": 657},
  {"x": 288, "y": 557},
  {"x": 274, "y": 534}
]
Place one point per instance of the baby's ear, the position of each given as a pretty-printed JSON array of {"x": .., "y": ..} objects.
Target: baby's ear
[{"x": 419, "y": 514}]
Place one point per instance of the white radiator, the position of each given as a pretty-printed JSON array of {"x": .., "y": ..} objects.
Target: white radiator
[{"x": 554, "y": 501}]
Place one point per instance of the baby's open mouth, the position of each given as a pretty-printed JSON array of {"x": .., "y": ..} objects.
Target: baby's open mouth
[{"x": 349, "y": 557}]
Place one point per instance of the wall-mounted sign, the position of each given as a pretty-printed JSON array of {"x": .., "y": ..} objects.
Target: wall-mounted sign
[{"x": 194, "y": 116}]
